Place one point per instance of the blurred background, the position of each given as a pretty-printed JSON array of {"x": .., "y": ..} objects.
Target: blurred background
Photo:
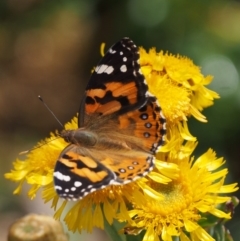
[{"x": 49, "y": 47}]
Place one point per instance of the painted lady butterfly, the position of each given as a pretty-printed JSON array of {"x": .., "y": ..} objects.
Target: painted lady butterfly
[{"x": 121, "y": 127}]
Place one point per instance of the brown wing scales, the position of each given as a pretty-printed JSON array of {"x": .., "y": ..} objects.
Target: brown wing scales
[{"x": 146, "y": 123}]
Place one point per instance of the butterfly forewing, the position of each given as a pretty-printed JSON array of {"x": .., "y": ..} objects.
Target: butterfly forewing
[
  {"x": 124, "y": 118},
  {"x": 116, "y": 85}
]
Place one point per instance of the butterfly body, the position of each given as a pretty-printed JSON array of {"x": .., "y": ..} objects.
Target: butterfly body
[
  {"x": 80, "y": 137},
  {"x": 120, "y": 128}
]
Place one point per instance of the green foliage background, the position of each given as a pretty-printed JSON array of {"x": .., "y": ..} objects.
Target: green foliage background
[{"x": 48, "y": 47}]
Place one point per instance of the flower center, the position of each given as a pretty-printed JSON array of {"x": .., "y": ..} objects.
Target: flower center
[{"x": 177, "y": 197}]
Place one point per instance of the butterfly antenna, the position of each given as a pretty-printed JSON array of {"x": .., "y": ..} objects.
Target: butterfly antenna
[
  {"x": 55, "y": 117},
  {"x": 27, "y": 151}
]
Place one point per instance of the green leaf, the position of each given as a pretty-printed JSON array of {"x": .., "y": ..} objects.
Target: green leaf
[
  {"x": 113, "y": 231},
  {"x": 221, "y": 233}
]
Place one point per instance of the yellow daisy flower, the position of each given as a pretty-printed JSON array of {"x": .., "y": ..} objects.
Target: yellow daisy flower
[
  {"x": 186, "y": 200},
  {"x": 180, "y": 88},
  {"x": 178, "y": 84}
]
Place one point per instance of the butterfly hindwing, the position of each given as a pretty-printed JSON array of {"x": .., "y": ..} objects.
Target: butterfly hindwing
[
  {"x": 146, "y": 124},
  {"x": 129, "y": 167},
  {"x": 76, "y": 175}
]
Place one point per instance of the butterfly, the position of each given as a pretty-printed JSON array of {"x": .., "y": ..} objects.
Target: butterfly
[{"x": 121, "y": 127}]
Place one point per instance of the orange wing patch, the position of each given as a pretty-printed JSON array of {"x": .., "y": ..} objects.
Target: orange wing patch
[
  {"x": 145, "y": 125},
  {"x": 90, "y": 175},
  {"x": 129, "y": 90},
  {"x": 72, "y": 156},
  {"x": 117, "y": 90},
  {"x": 126, "y": 168},
  {"x": 85, "y": 172},
  {"x": 109, "y": 107}
]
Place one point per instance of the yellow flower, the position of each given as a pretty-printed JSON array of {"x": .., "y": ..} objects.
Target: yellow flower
[
  {"x": 186, "y": 200},
  {"x": 180, "y": 88},
  {"x": 178, "y": 85}
]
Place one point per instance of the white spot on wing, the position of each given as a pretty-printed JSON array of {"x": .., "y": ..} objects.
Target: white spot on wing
[
  {"x": 111, "y": 51},
  {"x": 109, "y": 70},
  {"x": 93, "y": 190},
  {"x": 121, "y": 53},
  {"x": 73, "y": 189},
  {"x": 124, "y": 59},
  {"x": 104, "y": 69},
  {"x": 123, "y": 68},
  {"x": 58, "y": 187},
  {"x": 61, "y": 177},
  {"x": 77, "y": 184},
  {"x": 101, "y": 68}
]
